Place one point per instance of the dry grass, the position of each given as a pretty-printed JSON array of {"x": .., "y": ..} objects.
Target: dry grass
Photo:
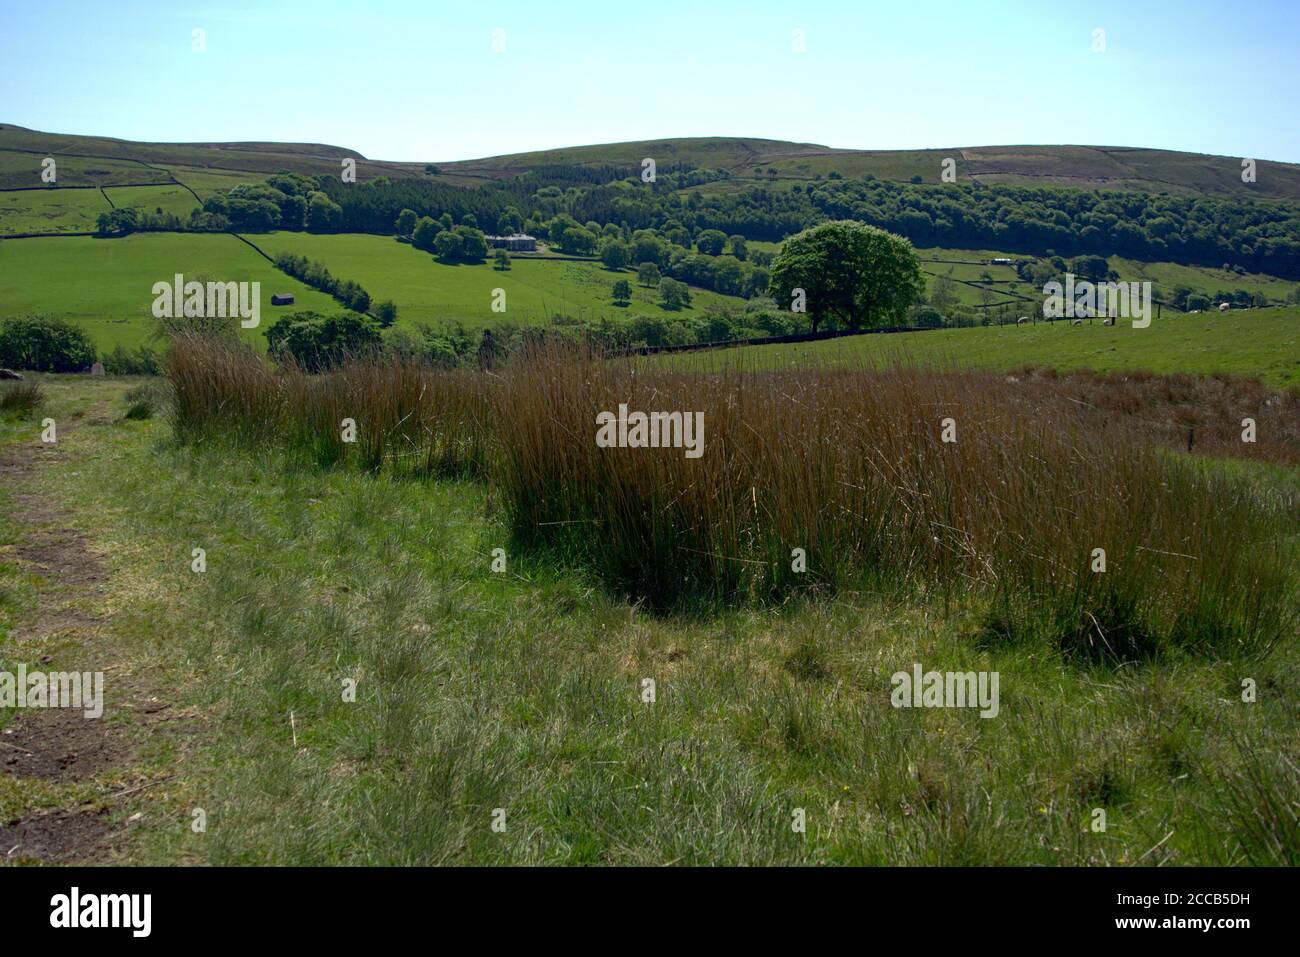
[
  {"x": 408, "y": 417},
  {"x": 848, "y": 466},
  {"x": 20, "y": 398}
]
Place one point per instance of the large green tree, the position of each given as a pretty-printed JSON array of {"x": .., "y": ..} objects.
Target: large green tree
[{"x": 852, "y": 275}]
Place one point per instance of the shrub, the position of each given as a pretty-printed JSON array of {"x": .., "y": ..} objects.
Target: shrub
[
  {"x": 317, "y": 342},
  {"x": 143, "y": 361},
  {"x": 44, "y": 344}
]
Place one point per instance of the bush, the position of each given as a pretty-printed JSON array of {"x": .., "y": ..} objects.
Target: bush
[
  {"x": 143, "y": 361},
  {"x": 315, "y": 342},
  {"x": 44, "y": 344}
]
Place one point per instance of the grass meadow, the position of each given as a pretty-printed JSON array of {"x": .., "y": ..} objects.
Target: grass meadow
[
  {"x": 426, "y": 289},
  {"x": 50, "y": 210},
  {"x": 104, "y": 285},
  {"x": 173, "y": 199},
  {"x": 1263, "y": 343}
]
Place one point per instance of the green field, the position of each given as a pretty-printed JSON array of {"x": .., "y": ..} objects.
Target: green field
[
  {"x": 20, "y": 168},
  {"x": 170, "y": 199},
  {"x": 103, "y": 285},
  {"x": 61, "y": 210},
  {"x": 1257, "y": 342},
  {"x": 50, "y": 210},
  {"x": 1206, "y": 280},
  {"x": 425, "y": 289},
  {"x": 206, "y": 181}
]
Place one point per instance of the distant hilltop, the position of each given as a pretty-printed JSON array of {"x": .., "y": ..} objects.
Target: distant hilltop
[{"x": 123, "y": 162}]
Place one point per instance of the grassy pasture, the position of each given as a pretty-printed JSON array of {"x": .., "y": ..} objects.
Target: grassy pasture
[
  {"x": 50, "y": 210},
  {"x": 205, "y": 181},
  {"x": 425, "y": 289},
  {"x": 1203, "y": 279},
  {"x": 104, "y": 285},
  {"x": 170, "y": 199},
  {"x": 1259, "y": 342},
  {"x": 20, "y": 169},
  {"x": 58, "y": 210}
]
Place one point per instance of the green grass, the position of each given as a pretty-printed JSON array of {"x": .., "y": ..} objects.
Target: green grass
[
  {"x": 521, "y": 691},
  {"x": 50, "y": 210},
  {"x": 76, "y": 210},
  {"x": 1264, "y": 343},
  {"x": 1206, "y": 280},
  {"x": 170, "y": 199},
  {"x": 19, "y": 169},
  {"x": 425, "y": 289},
  {"x": 104, "y": 285},
  {"x": 1203, "y": 279},
  {"x": 206, "y": 181}
]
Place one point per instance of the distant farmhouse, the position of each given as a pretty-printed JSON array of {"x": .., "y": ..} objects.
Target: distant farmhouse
[{"x": 515, "y": 242}]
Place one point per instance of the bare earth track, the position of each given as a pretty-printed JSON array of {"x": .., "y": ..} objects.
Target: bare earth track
[{"x": 67, "y": 630}]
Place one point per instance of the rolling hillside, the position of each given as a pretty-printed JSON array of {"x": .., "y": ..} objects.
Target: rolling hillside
[{"x": 92, "y": 160}]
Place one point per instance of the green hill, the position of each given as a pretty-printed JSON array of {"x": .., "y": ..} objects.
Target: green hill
[{"x": 94, "y": 160}]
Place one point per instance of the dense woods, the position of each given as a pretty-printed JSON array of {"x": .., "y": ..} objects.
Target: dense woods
[{"x": 578, "y": 208}]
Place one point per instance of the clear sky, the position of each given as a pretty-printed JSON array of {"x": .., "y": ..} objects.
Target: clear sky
[{"x": 419, "y": 79}]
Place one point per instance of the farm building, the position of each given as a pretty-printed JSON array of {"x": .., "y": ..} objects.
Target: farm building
[
  {"x": 281, "y": 299},
  {"x": 515, "y": 242}
]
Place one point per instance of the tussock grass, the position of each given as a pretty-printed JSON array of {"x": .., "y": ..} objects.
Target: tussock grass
[
  {"x": 848, "y": 465},
  {"x": 408, "y": 417},
  {"x": 20, "y": 398},
  {"x": 852, "y": 468}
]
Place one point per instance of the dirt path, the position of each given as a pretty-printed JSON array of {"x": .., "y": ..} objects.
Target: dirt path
[{"x": 65, "y": 772}]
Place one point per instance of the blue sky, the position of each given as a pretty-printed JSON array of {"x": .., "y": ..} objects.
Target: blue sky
[{"x": 420, "y": 81}]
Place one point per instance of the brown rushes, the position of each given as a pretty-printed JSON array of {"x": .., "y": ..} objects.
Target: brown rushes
[
  {"x": 408, "y": 418},
  {"x": 20, "y": 398},
  {"x": 849, "y": 467}
]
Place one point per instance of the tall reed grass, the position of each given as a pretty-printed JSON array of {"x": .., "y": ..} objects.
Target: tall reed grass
[
  {"x": 848, "y": 466},
  {"x": 408, "y": 417},
  {"x": 851, "y": 467}
]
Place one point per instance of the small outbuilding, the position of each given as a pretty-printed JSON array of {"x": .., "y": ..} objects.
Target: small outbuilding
[
  {"x": 281, "y": 299},
  {"x": 515, "y": 242}
]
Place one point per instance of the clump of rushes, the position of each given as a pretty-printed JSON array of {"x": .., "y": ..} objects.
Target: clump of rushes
[
  {"x": 408, "y": 417},
  {"x": 20, "y": 398},
  {"x": 852, "y": 468},
  {"x": 848, "y": 466}
]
